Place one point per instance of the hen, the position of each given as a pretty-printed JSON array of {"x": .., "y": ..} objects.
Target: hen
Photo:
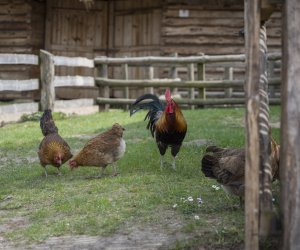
[
  {"x": 166, "y": 122},
  {"x": 53, "y": 149},
  {"x": 102, "y": 150},
  {"x": 227, "y": 166}
]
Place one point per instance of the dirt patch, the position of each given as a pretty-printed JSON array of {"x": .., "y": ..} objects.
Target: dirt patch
[{"x": 133, "y": 236}]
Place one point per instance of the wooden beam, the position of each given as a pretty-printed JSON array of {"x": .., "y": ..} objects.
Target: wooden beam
[
  {"x": 19, "y": 85},
  {"x": 19, "y": 59},
  {"x": 47, "y": 80},
  {"x": 290, "y": 132},
  {"x": 252, "y": 26},
  {"x": 63, "y": 81}
]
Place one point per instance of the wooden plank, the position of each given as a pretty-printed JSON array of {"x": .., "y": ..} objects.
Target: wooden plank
[
  {"x": 24, "y": 95},
  {"x": 223, "y": 101},
  {"x": 175, "y": 83},
  {"x": 252, "y": 25},
  {"x": 60, "y": 81},
  {"x": 290, "y": 136},
  {"x": 19, "y": 59},
  {"x": 73, "y": 61},
  {"x": 71, "y": 106},
  {"x": 47, "y": 80},
  {"x": 19, "y": 85},
  {"x": 174, "y": 60}
]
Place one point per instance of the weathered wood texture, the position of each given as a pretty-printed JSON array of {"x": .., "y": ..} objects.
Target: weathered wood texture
[
  {"x": 290, "y": 132},
  {"x": 73, "y": 31},
  {"x": 22, "y": 31},
  {"x": 252, "y": 27},
  {"x": 47, "y": 81}
]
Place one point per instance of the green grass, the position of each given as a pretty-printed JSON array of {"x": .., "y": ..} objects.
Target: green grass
[{"x": 142, "y": 195}]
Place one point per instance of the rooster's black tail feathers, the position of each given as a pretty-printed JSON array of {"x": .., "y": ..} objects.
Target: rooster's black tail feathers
[
  {"x": 47, "y": 123},
  {"x": 155, "y": 108}
]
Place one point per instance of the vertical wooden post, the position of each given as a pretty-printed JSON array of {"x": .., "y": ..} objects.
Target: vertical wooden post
[
  {"x": 150, "y": 74},
  {"x": 252, "y": 26},
  {"x": 47, "y": 74},
  {"x": 228, "y": 76},
  {"x": 201, "y": 77},
  {"x": 126, "y": 89},
  {"x": 102, "y": 71},
  {"x": 266, "y": 206},
  {"x": 191, "y": 76},
  {"x": 290, "y": 126},
  {"x": 174, "y": 74}
]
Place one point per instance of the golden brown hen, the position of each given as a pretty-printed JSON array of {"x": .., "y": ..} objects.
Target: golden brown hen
[
  {"x": 102, "y": 150},
  {"x": 53, "y": 149},
  {"x": 227, "y": 166}
]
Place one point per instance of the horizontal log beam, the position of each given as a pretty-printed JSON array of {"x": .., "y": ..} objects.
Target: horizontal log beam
[
  {"x": 176, "y": 60},
  {"x": 221, "y": 101},
  {"x": 176, "y": 83}
]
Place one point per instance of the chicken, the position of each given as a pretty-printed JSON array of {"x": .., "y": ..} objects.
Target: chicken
[
  {"x": 53, "y": 149},
  {"x": 227, "y": 166},
  {"x": 166, "y": 123},
  {"x": 102, "y": 150}
]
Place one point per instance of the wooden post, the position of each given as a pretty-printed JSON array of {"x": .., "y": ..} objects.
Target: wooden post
[
  {"x": 290, "y": 127},
  {"x": 228, "y": 76},
  {"x": 150, "y": 73},
  {"x": 125, "y": 77},
  {"x": 266, "y": 206},
  {"x": 174, "y": 74},
  {"x": 252, "y": 26},
  {"x": 102, "y": 71},
  {"x": 191, "y": 76},
  {"x": 47, "y": 74},
  {"x": 201, "y": 77}
]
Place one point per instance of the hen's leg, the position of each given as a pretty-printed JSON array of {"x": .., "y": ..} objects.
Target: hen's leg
[
  {"x": 100, "y": 173},
  {"x": 46, "y": 174},
  {"x": 114, "y": 170}
]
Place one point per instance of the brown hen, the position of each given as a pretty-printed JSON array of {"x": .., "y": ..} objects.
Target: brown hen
[
  {"x": 53, "y": 149},
  {"x": 102, "y": 150},
  {"x": 227, "y": 166}
]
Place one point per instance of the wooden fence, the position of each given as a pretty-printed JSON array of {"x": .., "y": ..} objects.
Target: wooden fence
[
  {"x": 45, "y": 84},
  {"x": 196, "y": 87}
]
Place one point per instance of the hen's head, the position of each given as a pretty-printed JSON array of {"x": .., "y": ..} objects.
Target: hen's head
[
  {"x": 73, "y": 164},
  {"x": 170, "y": 103},
  {"x": 57, "y": 160}
]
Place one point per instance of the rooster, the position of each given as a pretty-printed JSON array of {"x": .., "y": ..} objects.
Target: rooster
[
  {"x": 102, "y": 150},
  {"x": 166, "y": 123},
  {"x": 227, "y": 166},
  {"x": 53, "y": 149}
]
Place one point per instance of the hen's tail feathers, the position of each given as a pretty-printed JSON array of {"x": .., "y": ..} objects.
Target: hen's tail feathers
[
  {"x": 208, "y": 161},
  {"x": 155, "y": 108},
  {"x": 47, "y": 123}
]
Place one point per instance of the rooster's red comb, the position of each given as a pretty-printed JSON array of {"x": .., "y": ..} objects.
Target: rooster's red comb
[{"x": 168, "y": 95}]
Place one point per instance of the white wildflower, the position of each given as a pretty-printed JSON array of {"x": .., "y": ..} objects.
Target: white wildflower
[
  {"x": 175, "y": 205},
  {"x": 190, "y": 198},
  {"x": 196, "y": 217}
]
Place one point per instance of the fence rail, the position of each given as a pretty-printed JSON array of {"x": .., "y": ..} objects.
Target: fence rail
[{"x": 194, "y": 84}]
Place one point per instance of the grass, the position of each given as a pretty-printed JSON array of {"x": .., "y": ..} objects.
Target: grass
[{"x": 141, "y": 196}]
